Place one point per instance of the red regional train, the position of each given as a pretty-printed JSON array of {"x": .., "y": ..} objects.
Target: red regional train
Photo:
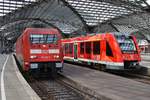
[
  {"x": 114, "y": 51},
  {"x": 40, "y": 49}
]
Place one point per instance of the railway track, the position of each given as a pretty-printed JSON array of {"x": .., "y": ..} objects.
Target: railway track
[
  {"x": 134, "y": 76},
  {"x": 54, "y": 89},
  {"x": 138, "y": 77}
]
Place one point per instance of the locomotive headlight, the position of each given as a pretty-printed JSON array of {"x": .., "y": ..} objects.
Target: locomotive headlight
[
  {"x": 33, "y": 57},
  {"x": 26, "y": 63},
  {"x": 56, "y": 56}
]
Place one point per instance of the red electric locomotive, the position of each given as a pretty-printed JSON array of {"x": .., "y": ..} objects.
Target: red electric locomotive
[
  {"x": 115, "y": 51},
  {"x": 40, "y": 49}
]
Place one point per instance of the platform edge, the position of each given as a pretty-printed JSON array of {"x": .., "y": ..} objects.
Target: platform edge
[{"x": 32, "y": 94}]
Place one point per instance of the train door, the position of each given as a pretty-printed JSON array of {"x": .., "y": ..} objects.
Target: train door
[
  {"x": 96, "y": 51},
  {"x": 88, "y": 50},
  {"x": 75, "y": 50}
]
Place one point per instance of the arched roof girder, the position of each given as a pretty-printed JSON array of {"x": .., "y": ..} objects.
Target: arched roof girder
[
  {"x": 12, "y": 33},
  {"x": 61, "y": 12},
  {"x": 76, "y": 12},
  {"x": 17, "y": 21},
  {"x": 47, "y": 9}
]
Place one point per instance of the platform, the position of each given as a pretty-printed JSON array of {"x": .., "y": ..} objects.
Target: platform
[
  {"x": 13, "y": 85},
  {"x": 106, "y": 86},
  {"x": 145, "y": 63},
  {"x": 145, "y": 60}
]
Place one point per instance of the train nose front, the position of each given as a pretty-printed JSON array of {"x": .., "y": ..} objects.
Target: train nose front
[
  {"x": 131, "y": 57},
  {"x": 45, "y": 55},
  {"x": 131, "y": 61}
]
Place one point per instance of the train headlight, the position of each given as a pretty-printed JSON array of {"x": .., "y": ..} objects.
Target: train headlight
[
  {"x": 32, "y": 57},
  {"x": 26, "y": 63},
  {"x": 56, "y": 56}
]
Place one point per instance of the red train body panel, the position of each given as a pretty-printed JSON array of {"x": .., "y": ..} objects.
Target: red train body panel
[
  {"x": 38, "y": 47},
  {"x": 115, "y": 51}
]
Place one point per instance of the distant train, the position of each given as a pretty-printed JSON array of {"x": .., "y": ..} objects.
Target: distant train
[
  {"x": 115, "y": 51},
  {"x": 40, "y": 49}
]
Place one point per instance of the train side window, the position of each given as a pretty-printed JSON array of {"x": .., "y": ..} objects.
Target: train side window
[
  {"x": 81, "y": 48},
  {"x": 96, "y": 47},
  {"x": 66, "y": 48},
  {"x": 70, "y": 48},
  {"x": 88, "y": 47},
  {"x": 108, "y": 50}
]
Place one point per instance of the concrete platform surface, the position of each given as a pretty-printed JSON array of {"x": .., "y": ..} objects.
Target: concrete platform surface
[
  {"x": 13, "y": 85},
  {"x": 106, "y": 86},
  {"x": 145, "y": 60}
]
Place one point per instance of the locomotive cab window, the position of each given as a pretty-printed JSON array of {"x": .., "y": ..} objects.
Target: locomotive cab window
[
  {"x": 126, "y": 44},
  {"x": 43, "y": 38},
  {"x": 96, "y": 47},
  {"x": 88, "y": 47},
  {"x": 108, "y": 49},
  {"x": 81, "y": 48}
]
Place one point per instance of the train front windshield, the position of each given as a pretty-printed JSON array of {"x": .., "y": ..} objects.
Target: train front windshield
[
  {"x": 126, "y": 43},
  {"x": 43, "y": 38}
]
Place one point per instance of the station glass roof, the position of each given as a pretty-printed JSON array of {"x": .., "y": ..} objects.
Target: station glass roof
[
  {"x": 73, "y": 16},
  {"x": 7, "y": 6}
]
